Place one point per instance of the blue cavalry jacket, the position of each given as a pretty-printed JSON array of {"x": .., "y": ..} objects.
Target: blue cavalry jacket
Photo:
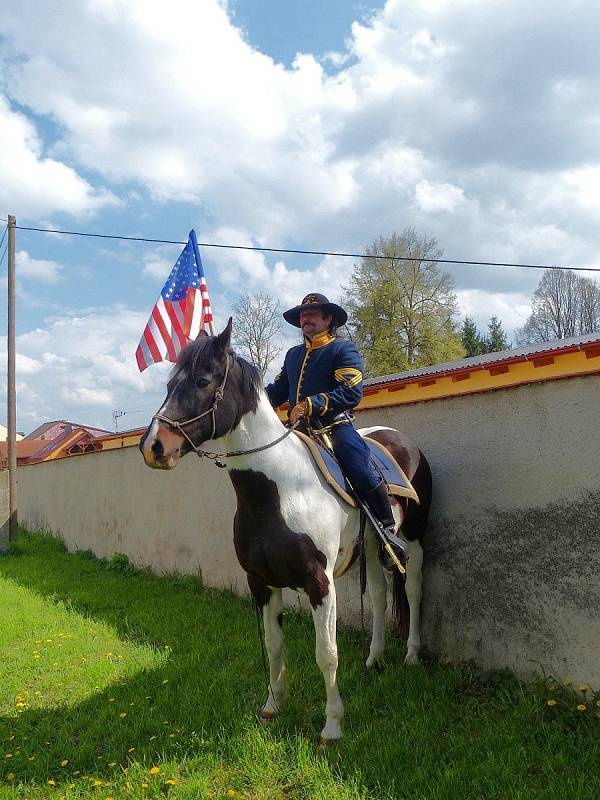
[{"x": 328, "y": 372}]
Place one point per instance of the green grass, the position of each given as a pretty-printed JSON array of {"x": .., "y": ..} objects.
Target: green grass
[{"x": 83, "y": 642}]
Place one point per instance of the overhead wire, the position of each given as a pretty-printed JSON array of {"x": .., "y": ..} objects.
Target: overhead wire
[
  {"x": 3, "y": 236},
  {"x": 308, "y": 252}
]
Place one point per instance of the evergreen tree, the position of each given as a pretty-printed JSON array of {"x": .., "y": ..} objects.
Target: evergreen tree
[
  {"x": 496, "y": 339},
  {"x": 471, "y": 338}
]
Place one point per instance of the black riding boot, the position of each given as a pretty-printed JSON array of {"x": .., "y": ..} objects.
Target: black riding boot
[{"x": 379, "y": 503}]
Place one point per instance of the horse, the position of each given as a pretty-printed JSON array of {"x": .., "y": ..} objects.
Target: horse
[{"x": 290, "y": 528}]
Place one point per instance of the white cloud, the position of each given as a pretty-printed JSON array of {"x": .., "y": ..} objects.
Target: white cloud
[
  {"x": 438, "y": 196},
  {"x": 32, "y": 184},
  {"x": 423, "y": 114},
  {"x": 40, "y": 270},
  {"x": 81, "y": 367},
  {"x": 511, "y": 308}
]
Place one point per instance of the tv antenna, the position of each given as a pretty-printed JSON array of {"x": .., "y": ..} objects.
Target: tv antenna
[{"x": 116, "y": 415}]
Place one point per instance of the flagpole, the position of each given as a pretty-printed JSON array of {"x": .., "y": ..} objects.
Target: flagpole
[{"x": 11, "y": 386}]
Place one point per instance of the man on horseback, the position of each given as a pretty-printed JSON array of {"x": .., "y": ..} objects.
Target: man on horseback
[{"x": 322, "y": 380}]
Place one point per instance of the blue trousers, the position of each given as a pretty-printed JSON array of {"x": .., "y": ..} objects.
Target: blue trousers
[{"x": 353, "y": 454}]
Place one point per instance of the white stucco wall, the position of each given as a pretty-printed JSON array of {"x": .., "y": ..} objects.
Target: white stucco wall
[{"x": 512, "y": 568}]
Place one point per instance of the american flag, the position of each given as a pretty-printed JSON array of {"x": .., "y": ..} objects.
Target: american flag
[{"x": 181, "y": 311}]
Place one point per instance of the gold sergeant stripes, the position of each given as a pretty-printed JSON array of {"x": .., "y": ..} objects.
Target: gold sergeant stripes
[{"x": 348, "y": 375}]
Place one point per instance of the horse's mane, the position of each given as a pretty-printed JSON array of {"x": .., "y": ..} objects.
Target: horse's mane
[{"x": 202, "y": 351}]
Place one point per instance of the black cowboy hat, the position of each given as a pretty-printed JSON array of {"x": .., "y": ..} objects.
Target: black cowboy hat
[{"x": 316, "y": 301}]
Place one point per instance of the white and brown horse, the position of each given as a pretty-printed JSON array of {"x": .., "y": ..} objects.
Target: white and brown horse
[{"x": 290, "y": 529}]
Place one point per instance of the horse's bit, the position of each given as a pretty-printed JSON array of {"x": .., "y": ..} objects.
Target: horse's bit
[{"x": 216, "y": 457}]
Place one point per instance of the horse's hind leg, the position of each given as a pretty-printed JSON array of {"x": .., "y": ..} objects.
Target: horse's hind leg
[
  {"x": 378, "y": 594},
  {"x": 414, "y": 582},
  {"x": 273, "y": 621},
  {"x": 324, "y": 617}
]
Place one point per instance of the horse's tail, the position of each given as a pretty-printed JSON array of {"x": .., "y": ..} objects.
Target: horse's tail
[{"x": 400, "y": 607}]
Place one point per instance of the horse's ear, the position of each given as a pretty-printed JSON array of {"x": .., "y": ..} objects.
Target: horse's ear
[{"x": 224, "y": 338}]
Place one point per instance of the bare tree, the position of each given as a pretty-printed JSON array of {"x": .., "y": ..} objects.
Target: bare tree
[
  {"x": 257, "y": 329},
  {"x": 564, "y": 304}
]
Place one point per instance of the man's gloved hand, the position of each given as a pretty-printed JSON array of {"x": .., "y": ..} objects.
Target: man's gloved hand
[{"x": 298, "y": 412}]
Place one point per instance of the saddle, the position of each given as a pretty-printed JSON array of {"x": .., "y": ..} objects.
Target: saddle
[{"x": 398, "y": 484}]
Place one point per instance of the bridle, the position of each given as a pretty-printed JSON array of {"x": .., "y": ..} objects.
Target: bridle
[{"x": 178, "y": 425}]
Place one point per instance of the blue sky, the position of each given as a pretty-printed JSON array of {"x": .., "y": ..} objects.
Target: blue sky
[{"x": 304, "y": 125}]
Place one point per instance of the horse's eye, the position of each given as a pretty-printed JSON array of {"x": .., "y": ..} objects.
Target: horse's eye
[{"x": 202, "y": 383}]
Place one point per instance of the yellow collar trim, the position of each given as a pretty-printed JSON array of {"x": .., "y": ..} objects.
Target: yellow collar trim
[{"x": 319, "y": 340}]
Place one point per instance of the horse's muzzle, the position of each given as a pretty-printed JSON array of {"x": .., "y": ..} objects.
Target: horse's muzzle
[{"x": 161, "y": 448}]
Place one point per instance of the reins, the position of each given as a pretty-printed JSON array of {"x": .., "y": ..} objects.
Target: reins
[{"x": 216, "y": 457}]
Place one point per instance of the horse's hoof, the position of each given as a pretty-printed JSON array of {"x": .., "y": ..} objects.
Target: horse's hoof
[
  {"x": 265, "y": 717},
  {"x": 326, "y": 744},
  {"x": 375, "y": 662},
  {"x": 411, "y": 660}
]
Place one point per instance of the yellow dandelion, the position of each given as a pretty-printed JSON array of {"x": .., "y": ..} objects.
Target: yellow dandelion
[
  {"x": 152, "y": 738},
  {"x": 131, "y": 749},
  {"x": 64, "y": 762},
  {"x": 583, "y": 688},
  {"x": 38, "y": 693},
  {"x": 48, "y": 641},
  {"x": 31, "y": 758},
  {"x": 123, "y": 714},
  {"x": 552, "y": 688},
  {"x": 8, "y": 755},
  {"x": 567, "y": 682},
  {"x": 231, "y": 793},
  {"x": 109, "y": 654},
  {"x": 51, "y": 782},
  {"x": 97, "y": 782},
  {"x": 11, "y": 737},
  {"x": 144, "y": 785},
  {"x": 10, "y": 776},
  {"x": 582, "y": 707},
  {"x": 71, "y": 786},
  {"x": 551, "y": 702},
  {"x": 36, "y": 655},
  {"x": 598, "y": 703},
  {"x": 170, "y": 782},
  {"x": 154, "y": 770},
  {"x": 21, "y": 704}
]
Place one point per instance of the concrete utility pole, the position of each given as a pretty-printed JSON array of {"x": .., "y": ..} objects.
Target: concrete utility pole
[{"x": 11, "y": 390}]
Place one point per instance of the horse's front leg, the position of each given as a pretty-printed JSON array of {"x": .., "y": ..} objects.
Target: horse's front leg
[
  {"x": 324, "y": 617},
  {"x": 271, "y": 602},
  {"x": 273, "y": 625}
]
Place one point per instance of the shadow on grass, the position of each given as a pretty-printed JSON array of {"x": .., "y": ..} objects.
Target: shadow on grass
[
  {"x": 410, "y": 732},
  {"x": 209, "y": 689}
]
